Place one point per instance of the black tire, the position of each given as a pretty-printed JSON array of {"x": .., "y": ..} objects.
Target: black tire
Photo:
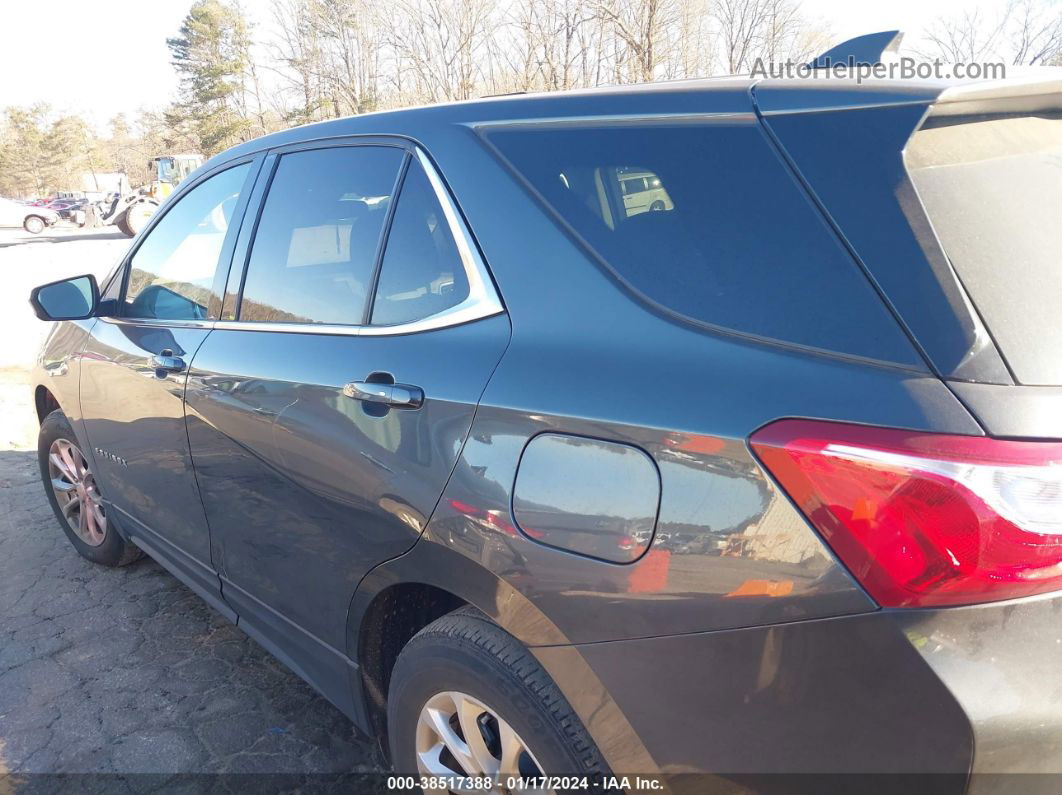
[
  {"x": 114, "y": 550},
  {"x": 657, "y": 206},
  {"x": 465, "y": 652},
  {"x": 122, "y": 222},
  {"x": 136, "y": 217},
  {"x": 34, "y": 224}
]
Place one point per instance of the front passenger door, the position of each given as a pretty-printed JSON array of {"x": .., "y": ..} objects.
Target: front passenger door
[{"x": 135, "y": 366}]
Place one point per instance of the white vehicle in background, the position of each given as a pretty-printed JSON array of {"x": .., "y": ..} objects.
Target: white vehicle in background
[
  {"x": 32, "y": 219},
  {"x": 643, "y": 192}
]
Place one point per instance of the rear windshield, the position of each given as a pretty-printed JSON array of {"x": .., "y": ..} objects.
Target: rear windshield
[
  {"x": 705, "y": 220},
  {"x": 992, "y": 188}
]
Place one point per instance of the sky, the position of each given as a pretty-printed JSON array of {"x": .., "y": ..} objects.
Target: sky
[
  {"x": 98, "y": 59},
  {"x": 855, "y": 17}
]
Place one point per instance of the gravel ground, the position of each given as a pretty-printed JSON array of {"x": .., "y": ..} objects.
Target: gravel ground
[{"x": 123, "y": 671}]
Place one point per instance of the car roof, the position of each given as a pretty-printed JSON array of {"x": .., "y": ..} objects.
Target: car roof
[{"x": 698, "y": 96}]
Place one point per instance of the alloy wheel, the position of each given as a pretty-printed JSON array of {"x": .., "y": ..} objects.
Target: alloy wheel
[
  {"x": 460, "y": 736},
  {"x": 76, "y": 492}
]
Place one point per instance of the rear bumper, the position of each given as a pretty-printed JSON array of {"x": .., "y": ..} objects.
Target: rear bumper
[
  {"x": 1003, "y": 664},
  {"x": 954, "y": 691}
]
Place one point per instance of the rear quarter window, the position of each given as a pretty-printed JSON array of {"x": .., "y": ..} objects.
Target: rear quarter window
[{"x": 706, "y": 221}]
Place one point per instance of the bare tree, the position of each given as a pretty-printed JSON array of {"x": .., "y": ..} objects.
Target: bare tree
[
  {"x": 353, "y": 39},
  {"x": 774, "y": 30},
  {"x": 1025, "y": 32},
  {"x": 740, "y": 26},
  {"x": 348, "y": 56},
  {"x": 966, "y": 38},
  {"x": 329, "y": 54},
  {"x": 693, "y": 51},
  {"x": 439, "y": 45},
  {"x": 298, "y": 55},
  {"x": 645, "y": 28},
  {"x": 555, "y": 40},
  {"x": 1034, "y": 32}
]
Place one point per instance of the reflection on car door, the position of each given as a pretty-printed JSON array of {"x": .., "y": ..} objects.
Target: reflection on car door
[
  {"x": 309, "y": 479},
  {"x": 134, "y": 370}
]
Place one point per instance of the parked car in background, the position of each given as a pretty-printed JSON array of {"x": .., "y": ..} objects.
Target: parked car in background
[
  {"x": 642, "y": 192},
  {"x": 529, "y": 479},
  {"x": 68, "y": 210},
  {"x": 33, "y": 219}
]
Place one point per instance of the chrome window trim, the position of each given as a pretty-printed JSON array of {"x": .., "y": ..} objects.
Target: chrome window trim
[
  {"x": 482, "y": 300},
  {"x": 465, "y": 312},
  {"x": 161, "y": 322}
]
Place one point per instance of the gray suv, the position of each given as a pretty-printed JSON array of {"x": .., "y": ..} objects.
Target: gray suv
[{"x": 760, "y": 481}]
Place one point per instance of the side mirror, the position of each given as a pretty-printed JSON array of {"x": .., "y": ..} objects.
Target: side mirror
[{"x": 69, "y": 299}]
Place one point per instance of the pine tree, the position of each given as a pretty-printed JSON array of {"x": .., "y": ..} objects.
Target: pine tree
[
  {"x": 25, "y": 159},
  {"x": 211, "y": 54}
]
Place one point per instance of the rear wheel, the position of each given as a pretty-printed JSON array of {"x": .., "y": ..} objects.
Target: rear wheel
[
  {"x": 34, "y": 224},
  {"x": 75, "y": 496},
  {"x": 467, "y": 699}
]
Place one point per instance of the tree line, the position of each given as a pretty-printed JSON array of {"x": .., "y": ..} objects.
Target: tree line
[
  {"x": 332, "y": 58},
  {"x": 42, "y": 152},
  {"x": 322, "y": 59}
]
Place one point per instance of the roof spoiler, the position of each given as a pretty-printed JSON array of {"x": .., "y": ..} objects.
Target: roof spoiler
[{"x": 867, "y": 50}]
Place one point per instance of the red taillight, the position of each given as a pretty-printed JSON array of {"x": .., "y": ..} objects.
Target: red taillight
[{"x": 925, "y": 519}]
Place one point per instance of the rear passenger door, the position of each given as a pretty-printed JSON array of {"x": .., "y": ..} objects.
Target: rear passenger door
[{"x": 327, "y": 412}]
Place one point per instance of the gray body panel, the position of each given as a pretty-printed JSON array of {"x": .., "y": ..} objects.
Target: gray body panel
[
  {"x": 134, "y": 422},
  {"x": 305, "y": 490},
  {"x": 845, "y": 695},
  {"x": 1014, "y": 411},
  {"x": 956, "y": 691},
  {"x": 57, "y": 371}
]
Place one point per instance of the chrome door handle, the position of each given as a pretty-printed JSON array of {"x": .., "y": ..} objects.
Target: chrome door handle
[
  {"x": 399, "y": 396},
  {"x": 167, "y": 362}
]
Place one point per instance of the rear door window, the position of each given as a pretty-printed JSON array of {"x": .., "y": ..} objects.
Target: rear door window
[
  {"x": 992, "y": 188},
  {"x": 706, "y": 221},
  {"x": 421, "y": 274},
  {"x": 315, "y": 249}
]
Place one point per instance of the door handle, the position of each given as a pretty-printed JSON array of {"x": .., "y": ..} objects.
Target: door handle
[
  {"x": 399, "y": 396},
  {"x": 166, "y": 362}
]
